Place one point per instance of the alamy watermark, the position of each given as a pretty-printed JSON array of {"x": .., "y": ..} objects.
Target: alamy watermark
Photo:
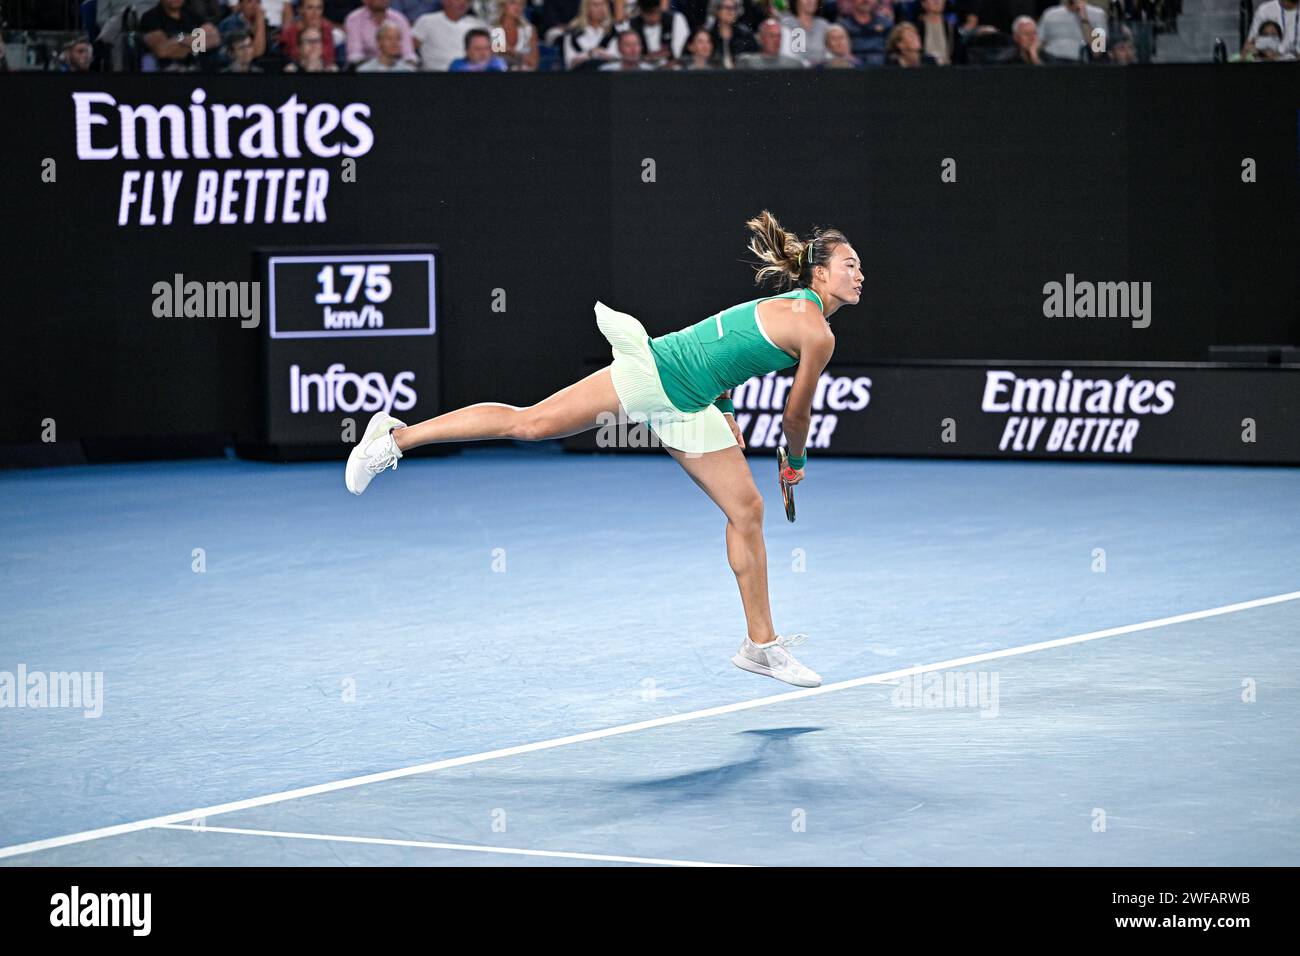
[
  {"x": 39, "y": 689},
  {"x": 1098, "y": 300},
  {"x": 617, "y": 430},
  {"x": 179, "y": 299},
  {"x": 949, "y": 689},
  {"x": 77, "y": 908}
]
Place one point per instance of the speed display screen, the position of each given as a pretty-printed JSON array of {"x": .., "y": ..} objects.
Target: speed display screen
[
  {"x": 340, "y": 295},
  {"x": 350, "y": 332}
]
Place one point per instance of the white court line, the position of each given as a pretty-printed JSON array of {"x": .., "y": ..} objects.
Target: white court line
[
  {"x": 123, "y": 828},
  {"x": 382, "y": 841}
]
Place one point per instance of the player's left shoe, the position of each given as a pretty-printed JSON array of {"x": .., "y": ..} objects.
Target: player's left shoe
[
  {"x": 775, "y": 660},
  {"x": 376, "y": 451}
]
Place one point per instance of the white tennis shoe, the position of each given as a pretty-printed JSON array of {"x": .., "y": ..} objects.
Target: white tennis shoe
[
  {"x": 375, "y": 452},
  {"x": 775, "y": 660}
]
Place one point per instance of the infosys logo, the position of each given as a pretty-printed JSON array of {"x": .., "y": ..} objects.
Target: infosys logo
[{"x": 338, "y": 390}]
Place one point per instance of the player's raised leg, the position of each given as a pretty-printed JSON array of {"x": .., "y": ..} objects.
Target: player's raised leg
[{"x": 573, "y": 409}]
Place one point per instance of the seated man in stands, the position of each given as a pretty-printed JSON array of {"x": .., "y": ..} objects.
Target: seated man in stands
[
  {"x": 769, "y": 56},
  {"x": 868, "y": 23},
  {"x": 172, "y": 34},
  {"x": 389, "y": 57},
  {"x": 1029, "y": 48},
  {"x": 478, "y": 56},
  {"x": 247, "y": 18},
  {"x": 77, "y": 56},
  {"x": 629, "y": 54},
  {"x": 1069, "y": 30},
  {"x": 239, "y": 47}
]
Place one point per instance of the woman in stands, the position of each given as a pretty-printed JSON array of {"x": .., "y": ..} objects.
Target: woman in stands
[
  {"x": 680, "y": 385},
  {"x": 592, "y": 38},
  {"x": 521, "y": 52}
]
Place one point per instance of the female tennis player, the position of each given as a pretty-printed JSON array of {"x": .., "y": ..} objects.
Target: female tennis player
[{"x": 680, "y": 385}]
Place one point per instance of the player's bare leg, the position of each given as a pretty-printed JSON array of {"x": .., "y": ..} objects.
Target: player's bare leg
[
  {"x": 573, "y": 409},
  {"x": 725, "y": 477}
]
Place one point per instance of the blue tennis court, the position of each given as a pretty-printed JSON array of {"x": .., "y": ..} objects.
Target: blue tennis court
[{"x": 508, "y": 657}]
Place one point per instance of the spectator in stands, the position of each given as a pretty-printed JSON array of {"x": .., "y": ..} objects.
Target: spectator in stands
[
  {"x": 440, "y": 37},
  {"x": 868, "y": 23},
  {"x": 903, "y": 47},
  {"x": 414, "y": 9},
  {"x": 591, "y": 39},
  {"x": 629, "y": 54},
  {"x": 804, "y": 31},
  {"x": 663, "y": 33},
  {"x": 1029, "y": 49},
  {"x": 699, "y": 52},
  {"x": 730, "y": 37},
  {"x": 248, "y": 18},
  {"x": 517, "y": 36},
  {"x": 116, "y": 21},
  {"x": 311, "y": 13},
  {"x": 77, "y": 56},
  {"x": 839, "y": 53},
  {"x": 769, "y": 56},
  {"x": 362, "y": 26},
  {"x": 239, "y": 47},
  {"x": 1287, "y": 15},
  {"x": 311, "y": 58},
  {"x": 168, "y": 31},
  {"x": 1266, "y": 46},
  {"x": 388, "y": 59},
  {"x": 478, "y": 56},
  {"x": 1066, "y": 30},
  {"x": 937, "y": 31}
]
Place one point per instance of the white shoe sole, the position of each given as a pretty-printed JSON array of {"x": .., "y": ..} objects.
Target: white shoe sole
[
  {"x": 745, "y": 664},
  {"x": 347, "y": 472}
]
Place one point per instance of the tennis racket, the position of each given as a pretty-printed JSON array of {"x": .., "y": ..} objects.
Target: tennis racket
[{"x": 784, "y": 474}]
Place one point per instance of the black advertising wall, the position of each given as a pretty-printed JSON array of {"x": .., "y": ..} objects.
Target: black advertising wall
[
  {"x": 545, "y": 193},
  {"x": 1080, "y": 412}
]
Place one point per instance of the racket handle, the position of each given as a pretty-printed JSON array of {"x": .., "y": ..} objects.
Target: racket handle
[{"x": 789, "y": 474}]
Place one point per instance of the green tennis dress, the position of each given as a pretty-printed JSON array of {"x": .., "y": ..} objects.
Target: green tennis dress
[{"x": 671, "y": 382}]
